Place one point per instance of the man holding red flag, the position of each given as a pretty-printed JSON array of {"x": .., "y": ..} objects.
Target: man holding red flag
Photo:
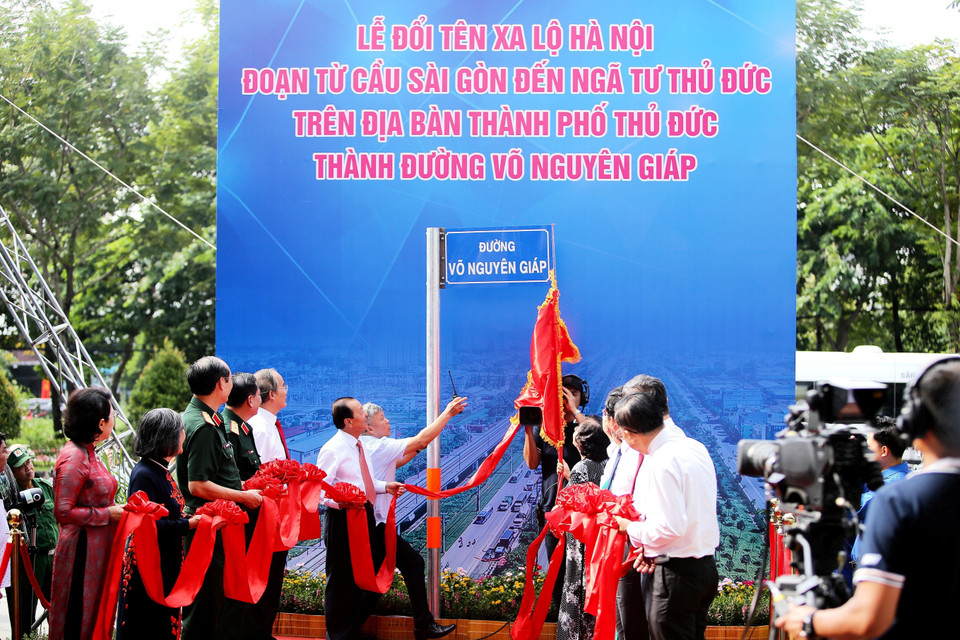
[
  {"x": 538, "y": 452},
  {"x": 558, "y": 403}
]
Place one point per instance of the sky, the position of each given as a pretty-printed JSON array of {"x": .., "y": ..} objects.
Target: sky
[{"x": 900, "y": 22}]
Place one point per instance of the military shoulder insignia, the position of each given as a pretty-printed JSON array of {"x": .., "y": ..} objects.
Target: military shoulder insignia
[
  {"x": 208, "y": 419},
  {"x": 233, "y": 428}
]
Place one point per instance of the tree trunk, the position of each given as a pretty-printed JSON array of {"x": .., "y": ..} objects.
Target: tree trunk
[{"x": 896, "y": 327}]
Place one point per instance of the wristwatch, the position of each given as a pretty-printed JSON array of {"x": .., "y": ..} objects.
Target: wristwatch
[{"x": 807, "y": 630}]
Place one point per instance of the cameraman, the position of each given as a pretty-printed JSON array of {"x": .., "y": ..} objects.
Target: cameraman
[
  {"x": 40, "y": 530},
  {"x": 907, "y": 583}
]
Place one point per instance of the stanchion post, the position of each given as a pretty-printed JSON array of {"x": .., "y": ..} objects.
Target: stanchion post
[
  {"x": 13, "y": 519},
  {"x": 434, "y": 535}
]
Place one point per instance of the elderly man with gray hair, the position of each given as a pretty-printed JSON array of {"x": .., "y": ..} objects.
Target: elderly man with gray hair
[{"x": 385, "y": 455}]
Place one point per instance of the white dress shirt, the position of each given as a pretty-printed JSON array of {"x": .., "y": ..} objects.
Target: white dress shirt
[
  {"x": 340, "y": 458},
  {"x": 266, "y": 436},
  {"x": 383, "y": 454},
  {"x": 676, "y": 494},
  {"x": 622, "y": 483}
]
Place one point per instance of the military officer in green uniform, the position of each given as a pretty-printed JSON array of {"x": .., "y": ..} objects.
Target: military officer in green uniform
[
  {"x": 41, "y": 531},
  {"x": 242, "y": 404},
  {"x": 206, "y": 471}
]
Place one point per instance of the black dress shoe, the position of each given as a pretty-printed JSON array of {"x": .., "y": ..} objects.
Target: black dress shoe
[{"x": 433, "y": 631}]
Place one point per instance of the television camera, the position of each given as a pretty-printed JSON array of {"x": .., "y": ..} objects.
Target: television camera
[{"x": 817, "y": 467}]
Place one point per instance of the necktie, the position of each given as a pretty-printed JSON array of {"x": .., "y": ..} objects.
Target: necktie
[
  {"x": 365, "y": 473},
  {"x": 616, "y": 463},
  {"x": 283, "y": 440},
  {"x": 637, "y": 473}
]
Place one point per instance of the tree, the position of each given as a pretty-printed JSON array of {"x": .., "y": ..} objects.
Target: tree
[
  {"x": 866, "y": 267},
  {"x": 9, "y": 408},
  {"x": 163, "y": 383},
  {"x": 127, "y": 276},
  {"x": 909, "y": 103},
  {"x": 70, "y": 73}
]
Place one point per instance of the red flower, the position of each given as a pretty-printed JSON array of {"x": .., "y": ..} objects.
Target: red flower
[
  {"x": 286, "y": 471},
  {"x": 347, "y": 495},
  {"x": 311, "y": 472},
  {"x": 269, "y": 486},
  {"x": 138, "y": 503},
  {"x": 225, "y": 509}
]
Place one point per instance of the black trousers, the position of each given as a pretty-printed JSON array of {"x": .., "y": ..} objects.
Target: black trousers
[
  {"x": 201, "y": 618},
  {"x": 631, "y": 609},
  {"x": 347, "y": 606},
  {"x": 678, "y": 595},
  {"x": 258, "y": 617},
  {"x": 414, "y": 572}
]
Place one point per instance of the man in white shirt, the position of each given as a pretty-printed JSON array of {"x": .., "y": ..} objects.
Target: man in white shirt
[
  {"x": 344, "y": 460},
  {"x": 620, "y": 477},
  {"x": 386, "y": 454},
  {"x": 678, "y": 533},
  {"x": 267, "y": 431},
  {"x": 271, "y": 445}
]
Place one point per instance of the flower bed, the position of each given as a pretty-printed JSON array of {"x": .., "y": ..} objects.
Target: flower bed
[
  {"x": 732, "y": 604},
  {"x": 498, "y": 597}
]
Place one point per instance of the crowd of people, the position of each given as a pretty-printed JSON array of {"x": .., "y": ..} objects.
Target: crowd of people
[{"x": 634, "y": 448}]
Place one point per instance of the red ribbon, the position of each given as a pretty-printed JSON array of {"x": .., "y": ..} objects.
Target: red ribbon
[
  {"x": 6, "y": 559},
  {"x": 353, "y": 501},
  {"x": 25, "y": 556},
  {"x": 534, "y": 607},
  {"x": 245, "y": 570},
  {"x": 311, "y": 486},
  {"x": 135, "y": 511},
  {"x": 483, "y": 471},
  {"x": 588, "y": 514},
  {"x": 273, "y": 477}
]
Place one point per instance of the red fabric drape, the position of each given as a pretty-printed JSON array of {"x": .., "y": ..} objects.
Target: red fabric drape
[
  {"x": 549, "y": 346},
  {"x": 533, "y": 606},
  {"x": 483, "y": 471},
  {"x": 353, "y": 499},
  {"x": 587, "y": 513},
  {"x": 31, "y": 576}
]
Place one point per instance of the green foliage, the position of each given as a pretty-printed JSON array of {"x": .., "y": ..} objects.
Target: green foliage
[
  {"x": 163, "y": 383},
  {"x": 497, "y": 597},
  {"x": 302, "y": 592},
  {"x": 9, "y": 408},
  {"x": 869, "y": 272},
  {"x": 39, "y": 435},
  {"x": 732, "y": 604},
  {"x": 126, "y": 275}
]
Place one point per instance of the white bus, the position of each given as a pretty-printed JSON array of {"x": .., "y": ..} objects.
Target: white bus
[{"x": 863, "y": 363}]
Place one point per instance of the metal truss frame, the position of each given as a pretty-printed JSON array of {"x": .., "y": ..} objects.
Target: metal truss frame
[{"x": 34, "y": 309}]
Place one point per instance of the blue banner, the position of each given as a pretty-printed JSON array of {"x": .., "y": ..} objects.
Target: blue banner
[{"x": 658, "y": 140}]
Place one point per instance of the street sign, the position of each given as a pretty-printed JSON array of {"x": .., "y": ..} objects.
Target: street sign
[{"x": 487, "y": 256}]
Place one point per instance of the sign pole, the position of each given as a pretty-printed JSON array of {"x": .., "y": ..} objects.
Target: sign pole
[{"x": 434, "y": 535}]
